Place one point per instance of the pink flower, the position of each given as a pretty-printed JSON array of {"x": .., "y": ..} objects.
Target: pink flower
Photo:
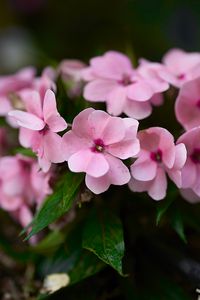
[
  {"x": 39, "y": 127},
  {"x": 11, "y": 86},
  {"x": 180, "y": 67},
  {"x": 71, "y": 72},
  {"x": 191, "y": 169},
  {"x": 158, "y": 156},
  {"x": 20, "y": 182},
  {"x": 187, "y": 105},
  {"x": 22, "y": 186},
  {"x": 96, "y": 144},
  {"x": 124, "y": 89}
]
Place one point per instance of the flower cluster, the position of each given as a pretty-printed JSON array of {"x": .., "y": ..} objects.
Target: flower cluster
[{"x": 105, "y": 145}]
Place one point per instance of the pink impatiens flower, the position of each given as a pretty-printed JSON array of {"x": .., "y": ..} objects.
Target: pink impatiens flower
[
  {"x": 96, "y": 144},
  {"x": 22, "y": 187},
  {"x": 191, "y": 170},
  {"x": 10, "y": 85},
  {"x": 158, "y": 156},
  {"x": 112, "y": 79},
  {"x": 71, "y": 73},
  {"x": 180, "y": 66},
  {"x": 39, "y": 126},
  {"x": 187, "y": 105}
]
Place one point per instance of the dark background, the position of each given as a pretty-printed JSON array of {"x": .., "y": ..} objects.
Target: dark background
[{"x": 42, "y": 32}]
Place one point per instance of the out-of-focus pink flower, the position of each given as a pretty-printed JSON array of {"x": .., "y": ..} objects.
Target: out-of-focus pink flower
[
  {"x": 96, "y": 144},
  {"x": 71, "y": 72},
  {"x": 177, "y": 68},
  {"x": 191, "y": 170},
  {"x": 11, "y": 85},
  {"x": 158, "y": 156},
  {"x": 187, "y": 105},
  {"x": 180, "y": 66},
  {"x": 39, "y": 126},
  {"x": 112, "y": 79},
  {"x": 22, "y": 186}
]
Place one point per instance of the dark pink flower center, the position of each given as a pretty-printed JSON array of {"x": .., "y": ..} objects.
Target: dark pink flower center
[
  {"x": 44, "y": 130},
  {"x": 157, "y": 156},
  {"x": 195, "y": 156},
  {"x": 198, "y": 103},
  {"x": 181, "y": 76},
  {"x": 126, "y": 80},
  {"x": 98, "y": 146}
]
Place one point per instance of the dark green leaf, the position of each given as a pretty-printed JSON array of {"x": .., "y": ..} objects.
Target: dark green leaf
[
  {"x": 103, "y": 235},
  {"x": 50, "y": 243},
  {"x": 163, "y": 205},
  {"x": 178, "y": 225},
  {"x": 58, "y": 203}
]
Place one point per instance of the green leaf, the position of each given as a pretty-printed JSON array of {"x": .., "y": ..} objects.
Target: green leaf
[
  {"x": 25, "y": 152},
  {"x": 50, "y": 243},
  {"x": 57, "y": 203},
  {"x": 103, "y": 235},
  {"x": 72, "y": 259},
  {"x": 163, "y": 206},
  {"x": 85, "y": 265},
  {"x": 178, "y": 225}
]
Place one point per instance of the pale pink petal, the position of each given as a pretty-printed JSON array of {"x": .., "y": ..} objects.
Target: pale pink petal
[
  {"x": 175, "y": 176},
  {"x": 158, "y": 187},
  {"x": 97, "y": 121},
  {"x": 80, "y": 123},
  {"x": 52, "y": 147},
  {"x": 97, "y": 185},
  {"x": 112, "y": 65},
  {"x": 187, "y": 104},
  {"x": 124, "y": 149},
  {"x": 32, "y": 102},
  {"x": 140, "y": 91},
  {"x": 118, "y": 173},
  {"x": 10, "y": 203},
  {"x": 137, "y": 110},
  {"x": 180, "y": 61},
  {"x": 27, "y": 120},
  {"x": 27, "y": 137},
  {"x": 56, "y": 123},
  {"x": 114, "y": 131},
  {"x": 5, "y": 106},
  {"x": 94, "y": 164},
  {"x": 144, "y": 169},
  {"x": 44, "y": 163},
  {"x": 189, "y": 174},
  {"x": 116, "y": 100},
  {"x": 98, "y": 90},
  {"x": 25, "y": 216},
  {"x": 49, "y": 105},
  {"x": 72, "y": 143},
  {"x": 180, "y": 156}
]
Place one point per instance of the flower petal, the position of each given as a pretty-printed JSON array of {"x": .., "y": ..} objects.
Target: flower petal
[
  {"x": 85, "y": 160},
  {"x": 27, "y": 120}
]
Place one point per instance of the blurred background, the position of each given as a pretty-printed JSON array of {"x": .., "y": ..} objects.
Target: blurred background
[{"x": 43, "y": 32}]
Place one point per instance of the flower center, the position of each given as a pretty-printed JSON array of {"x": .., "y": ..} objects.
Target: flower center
[
  {"x": 157, "y": 156},
  {"x": 126, "y": 80},
  {"x": 44, "y": 130},
  {"x": 98, "y": 146},
  {"x": 198, "y": 103},
  {"x": 195, "y": 156},
  {"x": 181, "y": 76}
]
